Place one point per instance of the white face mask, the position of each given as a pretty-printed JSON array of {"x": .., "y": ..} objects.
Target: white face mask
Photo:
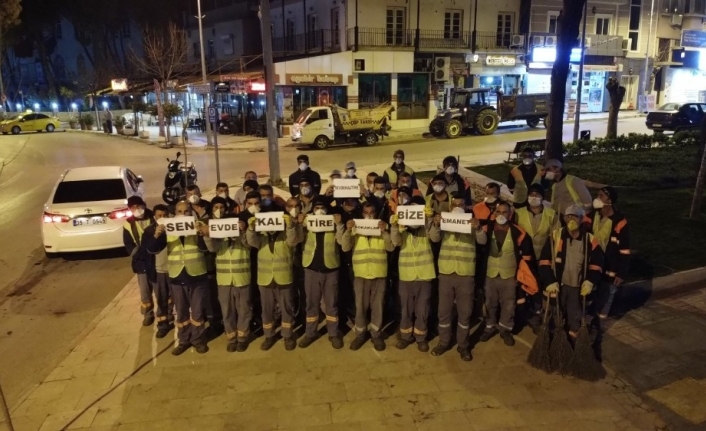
[
  {"x": 404, "y": 185},
  {"x": 306, "y": 191},
  {"x": 303, "y": 166},
  {"x": 458, "y": 210},
  {"x": 223, "y": 195},
  {"x": 369, "y": 217},
  {"x": 194, "y": 199},
  {"x": 534, "y": 201},
  {"x": 398, "y": 160},
  {"x": 490, "y": 199},
  {"x": 320, "y": 212},
  {"x": 527, "y": 162},
  {"x": 379, "y": 194},
  {"x": 501, "y": 220},
  {"x": 294, "y": 212},
  {"x": 450, "y": 170},
  {"x": 217, "y": 213},
  {"x": 351, "y": 172},
  {"x": 404, "y": 200},
  {"x": 139, "y": 212},
  {"x": 598, "y": 204},
  {"x": 439, "y": 188},
  {"x": 549, "y": 175},
  {"x": 254, "y": 209}
]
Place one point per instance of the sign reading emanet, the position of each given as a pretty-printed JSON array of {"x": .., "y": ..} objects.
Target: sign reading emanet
[{"x": 313, "y": 78}]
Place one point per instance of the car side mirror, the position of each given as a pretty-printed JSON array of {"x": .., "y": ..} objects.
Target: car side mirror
[
  {"x": 139, "y": 179},
  {"x": 22, "y": 120}
]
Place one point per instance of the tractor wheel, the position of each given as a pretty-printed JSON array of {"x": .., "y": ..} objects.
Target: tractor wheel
[
  {"x": 322, "y": 142},
  {"x": 487, "y": 122},
  {"x": 436, "y": 128},
  {"x": 533, "y": 122},
  {"x": 453, "y": 129},
  {"x": 370, "y": 139}
]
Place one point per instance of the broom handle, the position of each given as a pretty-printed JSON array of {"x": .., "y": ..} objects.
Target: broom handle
[{"x": 583, "y": 315}]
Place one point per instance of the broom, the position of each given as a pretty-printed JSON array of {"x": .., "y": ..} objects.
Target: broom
[
  {"x": 560, "y": 351},
  {"x": 584, "y": 364},
  {"x": 539, "y": 354}
]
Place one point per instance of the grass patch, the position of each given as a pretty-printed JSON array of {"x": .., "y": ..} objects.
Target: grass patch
[
  {"x": 664, "y": 240},
  {"x": 424, "y": 176}
]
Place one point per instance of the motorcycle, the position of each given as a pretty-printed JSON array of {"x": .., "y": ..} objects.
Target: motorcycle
[{"x": 178, "y": 178}]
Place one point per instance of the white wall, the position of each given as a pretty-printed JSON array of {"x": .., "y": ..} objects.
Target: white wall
[{"x": 215, "y": 33}]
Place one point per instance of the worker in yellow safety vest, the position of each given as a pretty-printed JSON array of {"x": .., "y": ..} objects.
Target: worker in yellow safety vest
[
  {"x": 522, "y": 176},
  {"x": 567, "y": 189}
]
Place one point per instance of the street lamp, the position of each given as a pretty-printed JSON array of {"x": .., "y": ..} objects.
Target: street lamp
[
  {"x": 204, "y": 76},
  {"x": 54, "y": 106},
  {"x": 36, "y": 106},
  {"x": 18, "y": 106},
  {"x": 105, "y": 105},
  {"x": 74, "y": 106}
]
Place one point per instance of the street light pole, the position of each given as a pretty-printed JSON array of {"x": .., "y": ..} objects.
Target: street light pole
[
  {"x": 204, "y": 75},
  {"x": 270, "y": 116},
  {"x": 647, "y": 51},
  {"x": 579, "y": 88}
]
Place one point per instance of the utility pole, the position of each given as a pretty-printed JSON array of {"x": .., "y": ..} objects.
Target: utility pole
[
  {"x": 579, "y": 88},
  {"x": 204, "y": 75},
  {"x": 647, "y": 53},
  {"x": 270, "y": 117}
]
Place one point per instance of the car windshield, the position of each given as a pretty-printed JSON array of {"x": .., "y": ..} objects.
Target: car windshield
[
  {"x": 89, "y": 191},
  {"x": 459, "y": 99},
  {"x": 303, "y": 116},
  {"x": 669, "y": 107}
]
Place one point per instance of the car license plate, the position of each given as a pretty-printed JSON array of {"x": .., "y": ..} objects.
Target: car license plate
[
  {"x": 656, "y": 125},
  {"x": 85, "y": 221}
]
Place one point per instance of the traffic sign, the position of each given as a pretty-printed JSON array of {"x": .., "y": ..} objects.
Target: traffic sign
[
  {"x": 201, "y": 88},
  {"x": 212, "y": 114}
]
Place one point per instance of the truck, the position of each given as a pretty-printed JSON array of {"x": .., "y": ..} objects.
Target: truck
[
  {"x": 470, "y": 112},
  {"x": 322, "y": 126}
]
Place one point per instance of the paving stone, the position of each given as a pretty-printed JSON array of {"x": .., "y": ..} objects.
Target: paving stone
[{"x": 685, "y": 397}]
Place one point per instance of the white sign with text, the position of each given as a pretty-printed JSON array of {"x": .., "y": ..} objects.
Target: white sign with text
[
  {"x": 456, "y": 222},
  {"x": 367, "y": 227},
  {"x": 269, "y": 222},
  {"x": 224, "y": 228},
  {"x": 320, "y": 223},
  {"x": 410, "y": 215},
  {"x": 180, "y": 226},
  {"x": 346, "y": 188}
]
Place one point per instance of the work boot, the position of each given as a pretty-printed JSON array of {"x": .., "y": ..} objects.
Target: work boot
[
  {"x": 163, "y": 331},
  {"x": 507, "y": 338},
  {"x": 423, "y": 346},
  {"x": 488, "y": 334},
  {"x": 201, "y": 348},
  {"x": 180, "y": 348},
  {"x": 358, "y": 342},
  {"x": 148, "y": 320},
  {"x": 336, "y": 342},
  {"x": 402, "y": 344},
  {"x": 268, "y": 343},
  {"x": 465, "y": 353},
  {"x": 439, "y": 350},
  {"x": 306, "y": 342},
  {"x": 242, "y": 346},
  {"x": 232, "y": 346},
  {"x": 290, "y": 343},
  {"x": 379, "y": 344}
]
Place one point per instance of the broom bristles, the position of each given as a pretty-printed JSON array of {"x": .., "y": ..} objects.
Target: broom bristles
[
  {"x": 560, "y": 352},
  {"x": 539, "y": 354},
  {"x": 584, "y": 364}
]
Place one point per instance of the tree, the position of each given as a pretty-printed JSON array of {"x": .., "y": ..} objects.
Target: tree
[
  {"x": 695, "y": 211},
  {"x": 9, "y": 17},
  {"x": 616, "y": 92},
  {"x": 569, "y": 21}
]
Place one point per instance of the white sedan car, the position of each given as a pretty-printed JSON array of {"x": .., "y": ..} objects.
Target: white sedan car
[{"x": 87, "y": 209}]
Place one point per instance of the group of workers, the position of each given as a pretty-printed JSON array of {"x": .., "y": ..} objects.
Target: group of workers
[{"x": 551, "y": 239}]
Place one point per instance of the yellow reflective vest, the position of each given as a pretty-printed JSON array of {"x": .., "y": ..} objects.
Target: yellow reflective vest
[
  {"x": 140, "y": 226},
  {"x": 276, "y": 264},
  {"x": 457, "y": 254},
  {"x": 233, "y": 264},
  {"x": 331, "y": 258},
  {"x": 502, "y": 262},
  {"x": 546, "y": 224},
  {"x": 369, "y": 257},
  {"x": 416, "y": 258},
  {"x": 185, "y": 256},
  {"x": 521, "y": 190}
]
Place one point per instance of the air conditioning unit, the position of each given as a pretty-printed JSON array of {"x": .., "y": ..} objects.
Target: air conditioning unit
[
  {"x": 675, "y": 20},
  {"x": 550, "y": 41},
  {"x": 538, "y": 40},
  {"x": 442, "y": 69},
  {"x": 627, "y": 43},
  {"x": 518, "y": 40},
  {"x": 587, "y": 42}
]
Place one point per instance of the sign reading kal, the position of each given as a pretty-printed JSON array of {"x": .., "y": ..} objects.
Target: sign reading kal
[
  {"x": 269, "y": 222},
  {"x": 313, "y": 78},
  {"x": 410, "y": 215},
  {"x": 320, "y": 223},
  {"x": 367, "y": 227},
  {"x": 180, "y": 226},
  {"x": 346, "y": 188},
  {"x": 453, "y": 222},
  {"x": 224, "y": 228}
]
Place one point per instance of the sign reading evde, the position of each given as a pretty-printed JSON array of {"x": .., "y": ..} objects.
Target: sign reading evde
[{"x": 224, "y": 228}]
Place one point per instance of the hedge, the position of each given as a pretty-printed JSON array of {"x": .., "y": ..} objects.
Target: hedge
[{"x": 631, "y": 142}]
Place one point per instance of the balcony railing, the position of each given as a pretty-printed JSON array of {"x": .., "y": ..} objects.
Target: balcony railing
[
  {"x": 429, "y": 39},
  {"x": 314, "y": 42}
]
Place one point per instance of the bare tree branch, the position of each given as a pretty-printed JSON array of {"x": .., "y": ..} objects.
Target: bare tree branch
[{"x": 164, "y": 52}]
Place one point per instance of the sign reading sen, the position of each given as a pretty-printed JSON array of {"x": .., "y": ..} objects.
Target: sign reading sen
[
  {"x": 224, "y": 228},
  {"x": 367, "y": 227},
  {"x": 320, "y": 223},
  {"x": 346, "y": 188},
  {"x": 180, "y": 226},
  {"x": 453, "y": 222},
  {"x": 269, "y": 222},
  {"x": 410, "y": 215}
]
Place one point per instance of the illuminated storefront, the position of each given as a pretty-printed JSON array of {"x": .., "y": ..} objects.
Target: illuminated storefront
[{"x": 304, "y": 90}]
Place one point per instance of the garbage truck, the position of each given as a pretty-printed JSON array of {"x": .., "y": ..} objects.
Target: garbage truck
[{"x": 322, "y": 126}]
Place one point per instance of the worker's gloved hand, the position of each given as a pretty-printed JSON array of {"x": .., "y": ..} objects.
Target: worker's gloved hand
[
  {"x": 393, "y": 219},
  {"x": 586, "y": 288},
  {"x": 428, "y": 211},
  {"x": 552, "y": 289},
  {"x": 287, "y": 220},
  {"x": 251, "y": 223}
]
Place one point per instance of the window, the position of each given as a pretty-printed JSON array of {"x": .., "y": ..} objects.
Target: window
[
  {"x": 312, "y": 36},
  {"x": 453, "y": 24},
  {"x": 673, "y": 6},
  {"x": 634, "y": 23},
  {"x": 59, "y": 67},
  {"x": 335, "y": 27},
  {"x": 197, "y": 50},
  {"x": 603, "y": 24},
  {"x": 57, "y": 29},
  {"x": 89, "y": 191},
  {"x": 211, "y": 49},
  {"x": 394, "y": 26},
  {"x": 412, "y": 96},
  {"x": 80, "y": 65},
  {"x": 503, "y": 34},
  {"x": 228, "y": 47},
  {"x": 696, "y": 6},
  {"x": 552, "y": 21},
  {"x": 290, "y": 40},
  {"x": 125, "y": 30},
  {"x": 374, "y": 89}
]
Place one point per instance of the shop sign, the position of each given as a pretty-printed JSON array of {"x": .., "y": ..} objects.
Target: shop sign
[
  {"x": 119, "y": 84},
  {"x": 500, "y": 60},
  {"x": 693, "y": 39},
  {"x": 313, "y": 78},
  {"x": 257, "y": 86}
]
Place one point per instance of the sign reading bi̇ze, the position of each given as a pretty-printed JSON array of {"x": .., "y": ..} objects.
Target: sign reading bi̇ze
[{"x": 410, "y": 215}]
